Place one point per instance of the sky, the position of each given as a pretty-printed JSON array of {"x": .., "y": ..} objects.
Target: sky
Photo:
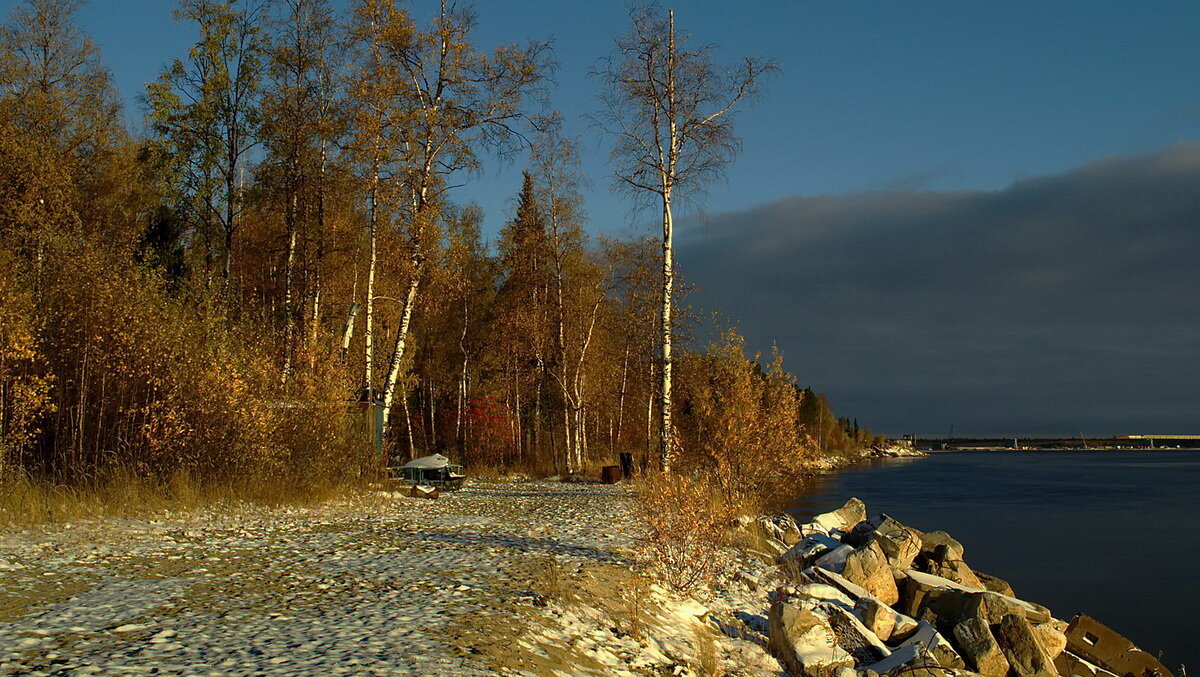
[{"x": 964, "y": 214}]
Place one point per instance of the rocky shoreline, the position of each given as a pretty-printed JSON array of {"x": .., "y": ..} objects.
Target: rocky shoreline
[
  {"x": 528, "y": 578},
  {"x": 866, "y": 595}
]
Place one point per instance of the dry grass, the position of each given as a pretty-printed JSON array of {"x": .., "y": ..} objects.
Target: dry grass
[
  {"x": 631, "y": 615},
  {"x": 548, "y": 577},
  {"x": 27, "y": 500}
]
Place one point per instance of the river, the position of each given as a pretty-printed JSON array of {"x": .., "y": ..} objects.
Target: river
[{"x": 1115, "y": 535}]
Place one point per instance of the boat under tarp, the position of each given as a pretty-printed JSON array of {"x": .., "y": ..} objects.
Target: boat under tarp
[{"x": 433, "y": 470}]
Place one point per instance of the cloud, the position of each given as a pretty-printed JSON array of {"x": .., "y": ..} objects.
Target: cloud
[{"x": 1059, "y": 304}]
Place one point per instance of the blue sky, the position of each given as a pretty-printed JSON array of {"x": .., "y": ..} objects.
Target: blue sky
[
  {"x": 872, "y": 95},
  {"x": 906, "y": 219}
]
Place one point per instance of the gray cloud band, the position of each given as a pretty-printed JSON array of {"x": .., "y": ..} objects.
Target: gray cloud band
[{"x": 1058, "y": 304}]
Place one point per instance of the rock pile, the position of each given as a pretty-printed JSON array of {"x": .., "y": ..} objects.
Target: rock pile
[
  {"x": 893, "y": 449},
  {"x": 867, "y": 595}
]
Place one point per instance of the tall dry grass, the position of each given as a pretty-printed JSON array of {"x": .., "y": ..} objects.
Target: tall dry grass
[{"x": 28, "y": 500}]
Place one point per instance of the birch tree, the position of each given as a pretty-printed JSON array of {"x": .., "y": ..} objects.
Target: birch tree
[
  {"x": 455, "y": 100},
  {"x": 301, "y": 125},
  {"x": 206, "y": 113},
  {"x": 575, "y": 299},
  {"x": 669, "y": 110}
]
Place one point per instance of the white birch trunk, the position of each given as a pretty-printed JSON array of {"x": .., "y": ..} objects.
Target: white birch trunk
[
  {"x": 369, "y": 330},
  {"x": 389, "y": 391},
  {"x": 666, "y": 444},
  {"x": 289, "y": 294}
]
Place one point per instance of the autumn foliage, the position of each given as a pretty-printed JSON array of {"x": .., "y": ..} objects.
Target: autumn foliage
[{"x": 210, "y": 300}]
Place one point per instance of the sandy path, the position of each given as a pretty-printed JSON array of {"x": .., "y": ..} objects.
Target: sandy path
[{"x": 375, "y": 585}]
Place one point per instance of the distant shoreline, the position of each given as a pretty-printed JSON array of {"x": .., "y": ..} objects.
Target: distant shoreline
[
  {"x": 1024, "y": 449},
  {"x": 1139, "y": 442}
]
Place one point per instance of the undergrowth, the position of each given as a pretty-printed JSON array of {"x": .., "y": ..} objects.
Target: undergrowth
[{"x": 28, "y": 500}]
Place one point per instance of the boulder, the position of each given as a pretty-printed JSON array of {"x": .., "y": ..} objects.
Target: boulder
[
  {"x": 856, "y": 638},
  {"x": 918, "y": 584},
  {"x": 821, "y": 592},
  {"x": 957, "y": 571},
  {"x": 1096, "y": 642},
  {"x": 979, "y": 648},
  {"x": 930, "y": 542},
  {"x": 950, "y": 607},
  {"x": 801, "y": 638},
  {"x": 868, "y": 567},
  {"x": 804, "y": 551},
  {"x": 810, "y": 528},
  {"x": 1053, "y": 640},
  {"x": 819, "y": 575},
  {"x": 835, "y": 560},
  {"x": 781, "y": 528},
  {"x": 999, "y": 606},
  {"x": 915, "y": 587},
  {"x": 904, "y": 628},
  {"x": 935, "y": 646},
  {"x": 844, "y": 518},
  {"x": 862, "y": 532},
  {"x": 902, "y": 656},
  {"x": 899, "y": 543},
  {"x": 877, "y": 616},
  {"x": 994, "y": 584},
  {"x": 1026, "y": 657}
]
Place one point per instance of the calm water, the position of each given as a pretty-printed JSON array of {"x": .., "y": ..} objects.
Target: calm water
[{"x": 1115, "y": 535}]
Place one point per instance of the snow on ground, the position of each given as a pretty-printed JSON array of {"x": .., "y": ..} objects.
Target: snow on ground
[{"x": 529, "y": 578}]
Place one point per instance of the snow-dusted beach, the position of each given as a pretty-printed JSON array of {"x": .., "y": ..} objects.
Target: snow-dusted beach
[{"x": 525, "y": 578}]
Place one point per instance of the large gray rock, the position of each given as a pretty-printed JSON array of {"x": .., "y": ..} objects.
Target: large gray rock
[
  {"x": 868, "y": 567},
  {"x": 1051, "y": 637},
  {"x": 979, "y": 648},
  {"x": 935, "y": 646},
  {"x": 844, "y": 518},
  {"x": 994, "y": 584},
  {"x": 807, "y": 549},
  {"x": 915, "y": 588},
  {"x": 877, "y": 616},
  {"x": 1026, "y": 657},
  {"x": 803, "y": 640},
  {"x": 821, "y": 592},
  {"x": 957, "y": 571},
  {"x": 918, "y": 585},
  {"x": 899, "y": 543},
  {"x": 781, "y": 528},
  {"x": 931, "y": 540},
  {"x": 950, "y": 607},
  {"x": 818, "y": 575},
  {"x": 863, "y": 532},
  {"x": 999, "y": 606},
  {"x": 835, "y": 560}
]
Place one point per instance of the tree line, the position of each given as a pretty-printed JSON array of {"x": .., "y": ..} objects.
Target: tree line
[{"x": 292, "y": 235}]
